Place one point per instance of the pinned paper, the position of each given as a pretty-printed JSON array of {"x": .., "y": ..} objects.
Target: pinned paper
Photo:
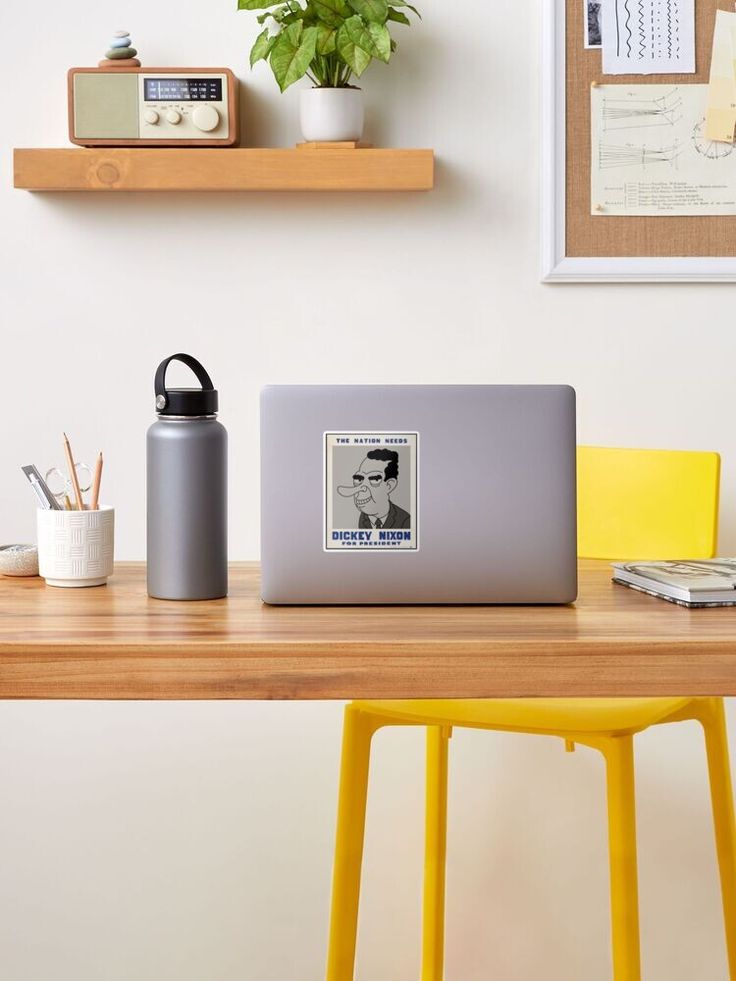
[
  {"x": 650, "y": 154},
  {"x": 648, "y": 37},
  {"x": 720, "y": 115}
]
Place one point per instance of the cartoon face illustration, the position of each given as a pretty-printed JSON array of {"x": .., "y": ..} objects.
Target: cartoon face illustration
[
  {"x": 371, "y": 499},
  {"x": 373, "y": 483}
]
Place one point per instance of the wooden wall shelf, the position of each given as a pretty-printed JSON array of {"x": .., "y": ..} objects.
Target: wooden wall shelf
[{"x": 198, "y": 169}]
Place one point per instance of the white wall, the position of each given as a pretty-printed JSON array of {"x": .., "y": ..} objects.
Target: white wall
[{"x": 193, "y": 841}]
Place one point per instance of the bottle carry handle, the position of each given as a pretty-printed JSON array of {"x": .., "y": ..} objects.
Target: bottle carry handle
[{"x": 159, "y": 383}]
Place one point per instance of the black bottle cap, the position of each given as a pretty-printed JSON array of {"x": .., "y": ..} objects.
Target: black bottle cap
[{"x": 185, "y": 401}]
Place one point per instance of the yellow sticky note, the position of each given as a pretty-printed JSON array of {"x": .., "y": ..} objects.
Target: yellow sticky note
[{"x": 720, "y": 115}]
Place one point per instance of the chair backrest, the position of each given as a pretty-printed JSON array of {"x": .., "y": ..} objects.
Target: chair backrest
[{"x": 647, "y": 504}]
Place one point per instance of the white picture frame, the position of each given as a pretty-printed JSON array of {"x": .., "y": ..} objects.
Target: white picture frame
[{"x": 556, "y": 265}]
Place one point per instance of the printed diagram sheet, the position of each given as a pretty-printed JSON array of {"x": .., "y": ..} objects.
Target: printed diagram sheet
[
  {"x": 651, "y": 155},
  {"x": 648, "y": 37}
]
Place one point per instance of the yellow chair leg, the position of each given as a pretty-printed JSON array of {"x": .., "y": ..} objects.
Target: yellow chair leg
[
  {"x": 353, "y": 794},
  {"x": 435, "y": 849},
  {"x": 619, "y": 754},
  {"x": 721, "y": 790}
]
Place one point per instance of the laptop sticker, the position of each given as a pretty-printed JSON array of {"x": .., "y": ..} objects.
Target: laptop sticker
[{"x": 371, "y": 497}]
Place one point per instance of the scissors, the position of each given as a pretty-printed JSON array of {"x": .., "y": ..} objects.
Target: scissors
[{"x": 61, "y": 486}]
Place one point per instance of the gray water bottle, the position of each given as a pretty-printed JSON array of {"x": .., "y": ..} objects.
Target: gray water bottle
[{"x": 187, "y": 490}]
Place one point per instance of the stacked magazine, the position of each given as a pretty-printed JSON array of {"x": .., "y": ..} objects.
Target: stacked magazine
[{"x": 702, "y": 582}]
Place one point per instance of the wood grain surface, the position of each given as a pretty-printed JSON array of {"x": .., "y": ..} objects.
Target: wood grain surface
[
  {"x": 113, "y": 642},
  {"x": 613, "y": 235},
  {"x": 222, "y": 169}
]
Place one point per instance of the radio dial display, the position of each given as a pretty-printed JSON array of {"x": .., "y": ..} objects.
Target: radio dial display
[{"x": 182, "y": 89}]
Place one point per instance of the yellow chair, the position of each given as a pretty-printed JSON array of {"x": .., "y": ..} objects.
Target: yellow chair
[{"x": 632, "y": 504}]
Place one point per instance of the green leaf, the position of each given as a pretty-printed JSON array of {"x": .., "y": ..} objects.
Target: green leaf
[
  {"x": 375, "y": 11},
  {"x": 332, "y": 12},
  {"x": 277, "y": 15},
  {"x": 262, "y": 47},
  {"x": 403, "y": 3},
  {"x": 291, "y": 54},
  {"x": 326, "y": 39},
  {"x": 381, "y": 41},
  {"x": 397, "y": 16},
  {"x": 355, "y": 45},
  {"x": 257, "y": 4},
  {"x": 372, "y": 39}
]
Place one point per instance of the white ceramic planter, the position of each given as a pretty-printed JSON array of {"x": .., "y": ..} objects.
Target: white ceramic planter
[
  {"x": 331, "y": 115},
  {"x": 75, "y": 548}
]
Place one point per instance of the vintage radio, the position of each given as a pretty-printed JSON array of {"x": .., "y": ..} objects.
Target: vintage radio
[{"x": 153, "y": 107}]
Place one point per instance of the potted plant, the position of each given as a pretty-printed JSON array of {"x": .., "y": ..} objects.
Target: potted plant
[{"x": 329, "y": 42}]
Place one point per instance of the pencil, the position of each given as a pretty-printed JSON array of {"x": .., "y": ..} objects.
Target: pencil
[
  {"x": 73, "y": 473},
  {"x": 94, "y": 503}
]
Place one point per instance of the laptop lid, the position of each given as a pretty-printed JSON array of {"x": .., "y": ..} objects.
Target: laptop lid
[{"x": 418, "y": 494}]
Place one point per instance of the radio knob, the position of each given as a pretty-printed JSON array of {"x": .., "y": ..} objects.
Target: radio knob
[
  {"x": 151, "y": 116},
  {"x": 173, "y": 117},
  {"x": 206, "y": 118}
]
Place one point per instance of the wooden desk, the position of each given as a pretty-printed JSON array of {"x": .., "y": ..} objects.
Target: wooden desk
[{"x": 114, "y": 642}]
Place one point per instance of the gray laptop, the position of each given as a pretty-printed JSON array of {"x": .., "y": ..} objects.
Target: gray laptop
[{"x": 418, "y": 494}]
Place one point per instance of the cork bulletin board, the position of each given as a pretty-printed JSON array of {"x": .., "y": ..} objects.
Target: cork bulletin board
[{"x": 578, "y": 245}]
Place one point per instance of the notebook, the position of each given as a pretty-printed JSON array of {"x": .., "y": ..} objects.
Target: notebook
[{"x": 699, "y": 582}]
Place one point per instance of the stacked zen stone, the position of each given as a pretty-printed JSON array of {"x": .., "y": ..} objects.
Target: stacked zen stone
[{"x": 120, "y": 53}]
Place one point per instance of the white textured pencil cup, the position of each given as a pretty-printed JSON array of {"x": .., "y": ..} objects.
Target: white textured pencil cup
[{"x": 75, "y": 548}]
